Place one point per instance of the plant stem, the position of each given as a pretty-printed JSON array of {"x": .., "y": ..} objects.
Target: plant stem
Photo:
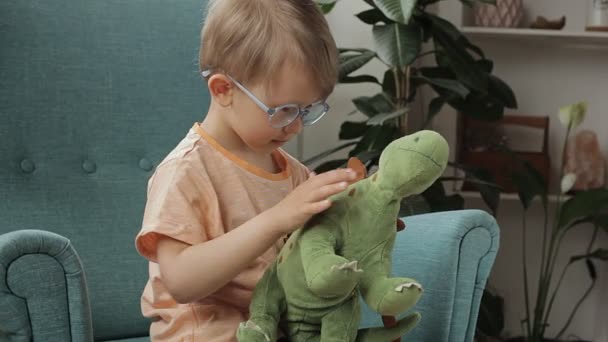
[
  {"x": 403, "y": 100},
  {"x": 538, "y": 330},
  {"x": 547, "y": 274},
  {"x": 591, "y": 242},
  {"x": 524, "y": 256},
  {"x": 559, "y": 283},
  {"x": 576, "y": 307}
]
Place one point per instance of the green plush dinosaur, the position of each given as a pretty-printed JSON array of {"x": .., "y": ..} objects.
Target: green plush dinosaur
[{"x": 311, "y": 291}]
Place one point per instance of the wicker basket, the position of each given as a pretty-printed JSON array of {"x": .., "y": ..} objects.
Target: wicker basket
[{"x": 506, "y": 13}]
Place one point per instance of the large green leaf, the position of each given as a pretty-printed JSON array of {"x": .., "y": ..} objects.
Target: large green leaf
[
  {"x": 445, "y": 83},
  {"x": 359, "y": 79},
  {"x": 397, "y": 10},
  {"x": 528, "y": 182},
  {"x": 326, "y": 5},
  {"x": 376, "y": 138},
  {"x": 434, "y": 108},
  {"x": 371, "y": 106},
  {"x": 381, "y": 118},
  {"x": 351, "y": 61},
  {"x": 441, "y": 25},
  {"x": 453, "y": 46},
  {"x": 485, "y": 183},
  {"x": 388, "y": 83},
  {"x": 438, "y": 200},
  {"x": 501, "y": 91},
  {"x": 600, "y": 253},
  {"x": 583, "y": 204},
  {"x": 397, "y": 45},
  {"x": 373, "y": 16},
  {"x": 352, "y": 130}
]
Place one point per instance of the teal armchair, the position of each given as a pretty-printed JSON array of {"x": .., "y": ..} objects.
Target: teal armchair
[{"x": 93, "y": 95}]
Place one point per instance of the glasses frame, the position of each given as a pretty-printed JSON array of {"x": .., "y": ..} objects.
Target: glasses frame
[{"x": 271, "y": 111}]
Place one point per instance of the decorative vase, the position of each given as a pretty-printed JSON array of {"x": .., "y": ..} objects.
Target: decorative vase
[
  {"x": 506, "y": 13},
  {"x": 597, "y": 15}
]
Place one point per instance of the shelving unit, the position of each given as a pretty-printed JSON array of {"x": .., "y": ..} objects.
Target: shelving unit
[{"x": 563, "y": 38}]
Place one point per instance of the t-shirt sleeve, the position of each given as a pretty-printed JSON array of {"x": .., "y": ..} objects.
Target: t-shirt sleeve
[{"x": 179, "y": 205}]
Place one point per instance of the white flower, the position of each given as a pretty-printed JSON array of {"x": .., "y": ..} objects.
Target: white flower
[
  {"x": 568, "y": 182},
  {"x": 572, "y": 115}
]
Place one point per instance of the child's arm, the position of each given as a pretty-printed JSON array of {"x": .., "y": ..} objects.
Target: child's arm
[{"x": 193, "y": 272}]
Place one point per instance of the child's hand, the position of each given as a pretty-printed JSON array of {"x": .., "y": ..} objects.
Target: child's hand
[{"x": 310, "y": 198}]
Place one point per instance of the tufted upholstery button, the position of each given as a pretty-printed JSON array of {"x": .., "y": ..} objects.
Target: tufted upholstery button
[
  {"x": 145, "y": 164},
  {"x": 89, "y": 166},
  {"x": 27, "y": 166}
]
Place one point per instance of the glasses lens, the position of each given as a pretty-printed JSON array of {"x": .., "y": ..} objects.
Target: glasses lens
[
  {"x": 314, "y": 113},
  {"x": 284, "y": 116}
]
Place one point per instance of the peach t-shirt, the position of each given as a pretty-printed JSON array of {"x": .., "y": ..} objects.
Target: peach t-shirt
[{"x": 197, "y": 193}]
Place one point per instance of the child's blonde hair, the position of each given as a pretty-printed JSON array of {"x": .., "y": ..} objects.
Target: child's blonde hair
[{"x": 252, "y": 39}]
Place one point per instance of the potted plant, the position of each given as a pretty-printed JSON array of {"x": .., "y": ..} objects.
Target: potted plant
[
  {"x": 462, "y": 78},
  {"x": 589, "y": 207}
]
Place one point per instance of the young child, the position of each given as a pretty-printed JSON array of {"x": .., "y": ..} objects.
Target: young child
[{"x": 220, "y": 204}]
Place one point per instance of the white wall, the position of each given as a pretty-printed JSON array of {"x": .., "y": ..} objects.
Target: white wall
[{"x": 544, "y": 78}]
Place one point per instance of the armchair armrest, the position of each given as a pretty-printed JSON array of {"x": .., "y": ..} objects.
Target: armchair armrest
[
  {"x": 451, "y": 255},
  {"x": 43, "y": 293}
]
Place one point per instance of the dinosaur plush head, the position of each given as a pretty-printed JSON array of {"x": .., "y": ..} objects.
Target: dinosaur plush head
[{"x": 427, "y": 156}]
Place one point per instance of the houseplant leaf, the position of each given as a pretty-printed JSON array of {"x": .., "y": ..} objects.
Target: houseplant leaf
[
  {"x": 388, "y": 83},
  {"x": 326, "y": 5},
  {"x": 351, "y": 61},
  {"x": 600, "y": 253},
  {"x": 500, "y": 90},
  {"x": 397, "y": 45},
  {"x": 446, "y": 83},
  {"x": 434, "y": 108},
  {"x": 397, "y": 10},
  {"x": 376, "y": 138},
  {"x": 373, "y": 16},
  {"x": 583, "y": 204},
  {"x": 352, "y": 130},
  {"x": 383, "y": 117},
  {"x": 359, "y": 79},
  {"x": 529, "y": 182},
  {"x": 371, "y": 106},
  {"x": 438, "y": 200}
]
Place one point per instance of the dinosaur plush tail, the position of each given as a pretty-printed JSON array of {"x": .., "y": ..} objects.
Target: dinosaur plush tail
[{"x": 395, "y": 332}]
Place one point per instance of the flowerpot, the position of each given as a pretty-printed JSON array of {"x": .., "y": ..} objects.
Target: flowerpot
[
  {"x": 506, "y": 13},
  {"x": 597, "y": 15}
]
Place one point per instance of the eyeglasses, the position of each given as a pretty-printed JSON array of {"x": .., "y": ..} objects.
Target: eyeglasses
[{"x": 284, "y": 115}]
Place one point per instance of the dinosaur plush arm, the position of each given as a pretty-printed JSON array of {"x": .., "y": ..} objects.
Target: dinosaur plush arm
[{"x": 327, "y": 275}]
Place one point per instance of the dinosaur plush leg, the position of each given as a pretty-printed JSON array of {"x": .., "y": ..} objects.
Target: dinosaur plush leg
[
  {"x": 391, "y": 296},
  {"x": 395, "y": 332},
  {"x": 327, "y": 274},
  {"x": 341, "y": 324},
  {"x": 266, "y": 307}
]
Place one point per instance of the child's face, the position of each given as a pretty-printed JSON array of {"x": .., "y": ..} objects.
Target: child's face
[{"x": 292, "y": 85}]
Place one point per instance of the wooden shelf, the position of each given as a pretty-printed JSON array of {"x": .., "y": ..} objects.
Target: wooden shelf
[{"x": 563, "y": 38}]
